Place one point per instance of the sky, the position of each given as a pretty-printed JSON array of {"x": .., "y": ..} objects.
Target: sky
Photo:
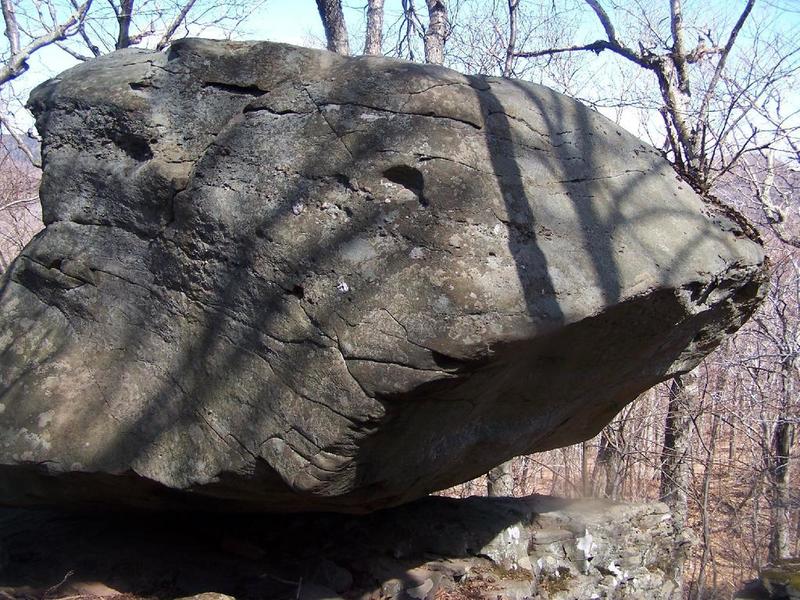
[{"x": 297, "y": 22}]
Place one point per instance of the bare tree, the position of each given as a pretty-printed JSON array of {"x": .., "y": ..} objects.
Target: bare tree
[
  {"x": 330, "y": 11},
  {"x": 51, "y": 31},
  {"x": 436, "y": 32},
  {"x": 20, "y": 214},
  {"x": 508, "y": 65},
  {"x": 610, "y": 457},
  {"x": 500, "y": 480},
  {"x": 774, "y": 196},
  {"x": 373, "y": 42},
  {"x": 124, "y": 13},
  {"x": 675, "y": 470},
  {"x": 691, "y": 141}
]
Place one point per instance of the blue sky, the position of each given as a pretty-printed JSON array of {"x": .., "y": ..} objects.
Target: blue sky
[{"x": 297, "y": 22}]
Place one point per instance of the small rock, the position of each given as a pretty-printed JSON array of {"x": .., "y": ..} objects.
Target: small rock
[
  {"x": 422, "y": 591},
  {"x": 328, "y": 573}
]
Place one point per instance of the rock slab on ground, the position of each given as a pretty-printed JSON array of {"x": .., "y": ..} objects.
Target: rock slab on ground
[
  {"x": 275, "y": 278},
  {"x": 432, "y": 549}
]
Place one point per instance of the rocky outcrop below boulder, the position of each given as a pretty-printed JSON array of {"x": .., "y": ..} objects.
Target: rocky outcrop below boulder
[
  {"x": 779, "y": 581},
  {"x": 433, "y": 549},
  {"x": 275, "y": 278}
]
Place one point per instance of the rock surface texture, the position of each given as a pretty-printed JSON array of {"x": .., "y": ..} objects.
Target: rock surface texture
[
  {"x": 432, "y": 549},
  {"x": 275, "y": 278}
]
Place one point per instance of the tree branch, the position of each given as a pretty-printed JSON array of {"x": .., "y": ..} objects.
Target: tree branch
[
  {"x": 17, "y": 64},
  {"x": 678, "y": 45},
  {"x": 12, "y": 28},
  {"x": 508, "y": 65},
  {"x": 173, "y": 27},
  {"x": 604, "y": 21},
  {"x": 724, "y": 57}
]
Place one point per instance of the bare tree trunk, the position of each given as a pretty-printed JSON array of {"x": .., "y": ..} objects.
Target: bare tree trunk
[
  {"x": 524, "y": 476},
  {"x": 711, "y": 446},
  {"x": 500, "y": 480},
  {"x": 675, "y": 467},
  {"x": 508, "y": 66},
  {"x": 436, "y": 33},
  {"x": 330, "y": 11},
  {"x": 586, "y": 484},
  {"x": 124, "y": 16},
  {"x": 374, "y": 40},
  {"x": 609, "y": 457},
  {"x": 782, "y": 437}
]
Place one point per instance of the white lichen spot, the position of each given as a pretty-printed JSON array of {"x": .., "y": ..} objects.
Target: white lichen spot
[
  {"x": 416, "y": 253},
  {"x": 343, "y": 287},
  {"x": 45, "y": 419},
  {"x": 619, "y": 574},
  {"x": 358, "y": 251},
  {"x": 586, "y": 544}
]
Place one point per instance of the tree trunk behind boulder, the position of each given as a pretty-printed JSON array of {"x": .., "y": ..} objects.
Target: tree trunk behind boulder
[
  {"x": 330, "y": 11},
  {"x": 436, "y": 33},
  {"x": 374, "y": 38},
  {"x": 500, "y": 480},
  {"x": 675, "y": 465}
]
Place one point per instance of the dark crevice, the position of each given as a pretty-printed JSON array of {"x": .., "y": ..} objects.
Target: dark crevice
[
  {"x": 344, "y": 180},
  {"x": 232, "y": 88},
  {"x": 410, "y": 178},
  {"x": 135, "y": 146},
  {"x": 448, "y": 363}
]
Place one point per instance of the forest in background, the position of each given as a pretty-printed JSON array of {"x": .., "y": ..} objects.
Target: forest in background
[{"x": 713, "y": 85}]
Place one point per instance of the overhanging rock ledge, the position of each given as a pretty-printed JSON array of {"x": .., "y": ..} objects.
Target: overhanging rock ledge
[{"x": 275, "y": 278}]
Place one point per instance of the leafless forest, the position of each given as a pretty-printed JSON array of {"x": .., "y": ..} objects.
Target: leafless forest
[{"x": 712, "y": 84}]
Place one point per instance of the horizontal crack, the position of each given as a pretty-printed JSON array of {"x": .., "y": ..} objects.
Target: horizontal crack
[{"x": 430, "y": 114}]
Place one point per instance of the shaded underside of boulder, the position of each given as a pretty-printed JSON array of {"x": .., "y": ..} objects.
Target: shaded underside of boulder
[
  {"x": 472, "y": 548},
  {"x": 275, "y": 278}
]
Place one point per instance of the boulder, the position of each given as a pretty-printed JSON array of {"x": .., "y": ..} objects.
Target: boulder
[{"x": 278, "y": 279}]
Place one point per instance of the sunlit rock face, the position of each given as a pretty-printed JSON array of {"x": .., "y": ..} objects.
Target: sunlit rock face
[{"x": 275, "y": 278}]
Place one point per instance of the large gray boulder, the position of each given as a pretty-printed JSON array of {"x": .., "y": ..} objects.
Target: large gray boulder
[{"x": 275, "y": 278}]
